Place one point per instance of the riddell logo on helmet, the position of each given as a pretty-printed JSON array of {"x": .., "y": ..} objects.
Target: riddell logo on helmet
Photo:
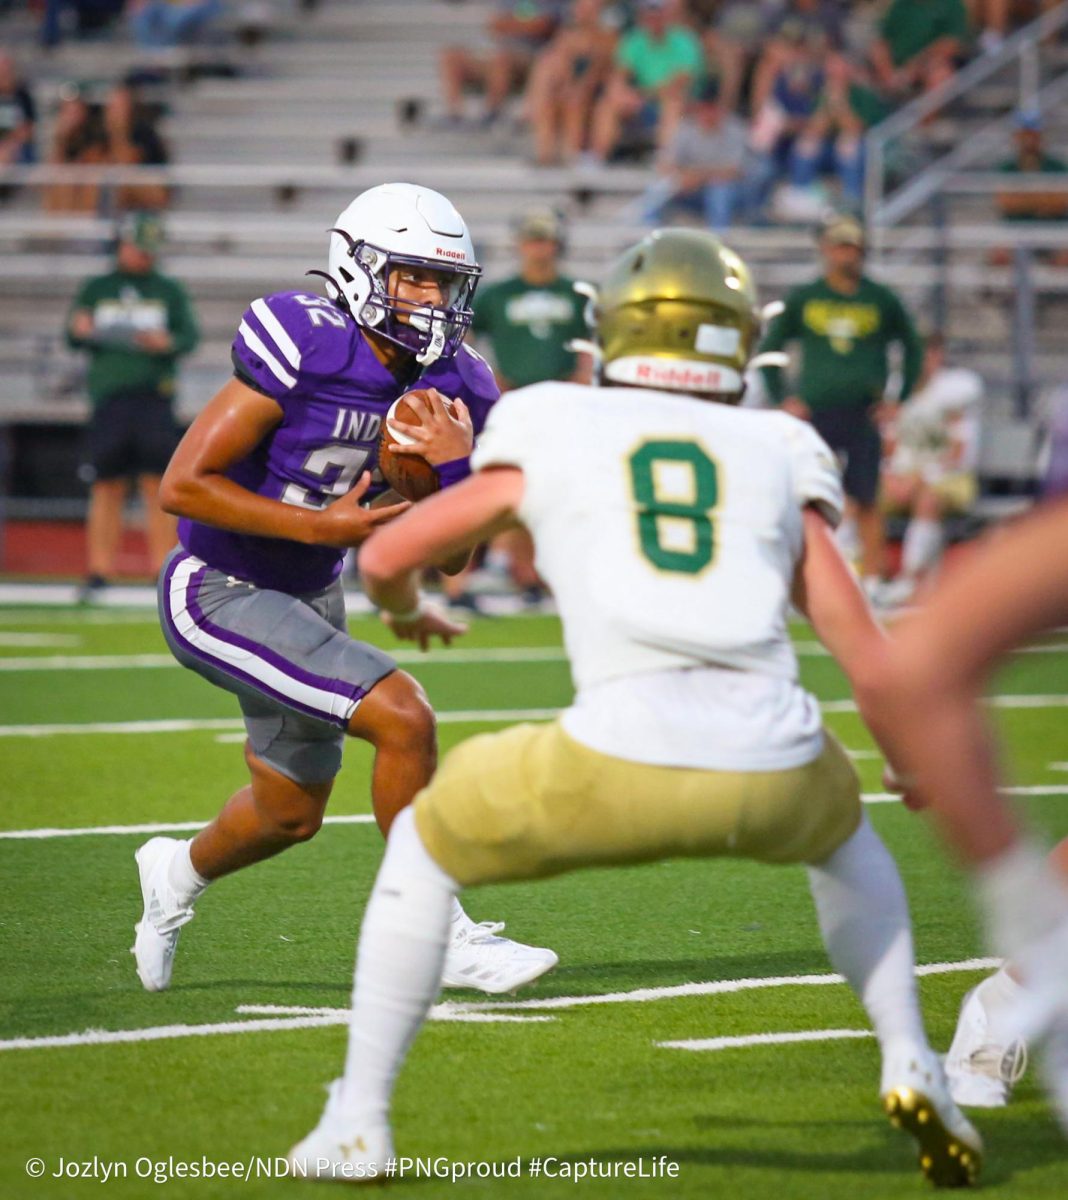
[
  {"x": 458, "y": 254},
  {"x": 683, "y": 376}
]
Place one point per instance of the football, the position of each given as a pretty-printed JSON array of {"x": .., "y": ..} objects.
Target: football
[{"x": 409, "y": 475}]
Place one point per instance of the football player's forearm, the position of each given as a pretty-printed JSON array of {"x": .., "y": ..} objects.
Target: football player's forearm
[{"x": 218, "y": 501}]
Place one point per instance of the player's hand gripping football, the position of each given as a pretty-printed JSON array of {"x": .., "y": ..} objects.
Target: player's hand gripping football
[
  {"x": 443, "y": 436},
  {"x": 344, "y": 523},
  {"x": 429, "y": 621}
]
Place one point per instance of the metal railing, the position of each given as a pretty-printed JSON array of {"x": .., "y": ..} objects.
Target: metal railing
[{"x": 1022, "y": 50}]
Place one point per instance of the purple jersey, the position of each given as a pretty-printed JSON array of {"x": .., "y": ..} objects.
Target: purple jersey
[{"x": 310, "y": 356}]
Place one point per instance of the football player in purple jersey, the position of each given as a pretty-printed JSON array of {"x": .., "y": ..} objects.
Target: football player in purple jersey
[{"x": 272, "y": 484}]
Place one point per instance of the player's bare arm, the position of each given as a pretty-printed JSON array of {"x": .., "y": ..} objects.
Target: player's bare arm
[
  {"x": 195, "y": 484},
  {"x": 442, "y": 528},
  {"x": 829, "y": 594},
  {"x": 1003, "y": 594}
]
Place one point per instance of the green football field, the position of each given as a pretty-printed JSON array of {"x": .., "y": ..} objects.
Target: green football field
[{"x": 101, "y": 736}]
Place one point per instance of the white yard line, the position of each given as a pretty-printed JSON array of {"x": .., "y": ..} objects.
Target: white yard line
[
  {"x": 142, "y": 662},
  {"x": 45, "y": 834},
  {"x": 317, "y": 1018},
  {"x": 439, "y": 1012},
  {"x": 717, "y": 987},
  {"x": 39, "y": 639},
  {"x": 765, "y": 1039}
]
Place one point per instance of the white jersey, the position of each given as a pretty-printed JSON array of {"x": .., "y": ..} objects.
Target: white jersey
[
  {"x": 944, "y": 412},
  {"x": 669, "y": 530}
]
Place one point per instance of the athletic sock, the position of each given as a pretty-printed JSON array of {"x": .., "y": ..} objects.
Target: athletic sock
[
  {"x": 922, "y": 546},
  {"x": 398, "y": 969},
  {"x": 864, "y": 919},
  {"x": 183, "y": 877}
]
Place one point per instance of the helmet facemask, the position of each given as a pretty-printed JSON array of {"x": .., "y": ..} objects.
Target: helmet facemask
[{"x": 429, "y": 332}]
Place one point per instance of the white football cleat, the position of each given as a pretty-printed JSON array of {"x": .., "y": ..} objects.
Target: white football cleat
[
  {"x": 477, "y": 958},
  {"x": 156, "y": 934},
  {"x": 982, "y": 1066},
  {"x": 916, "y": 1098},
  {"x": 338, "y": 1149}
]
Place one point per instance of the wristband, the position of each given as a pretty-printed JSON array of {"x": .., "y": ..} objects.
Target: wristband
[
  {"x": 413, "y": 614},
  {"x": 452, "y": 472}
]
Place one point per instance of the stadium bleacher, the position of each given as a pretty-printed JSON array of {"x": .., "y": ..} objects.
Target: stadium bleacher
[{"x": 268, "y": 142}]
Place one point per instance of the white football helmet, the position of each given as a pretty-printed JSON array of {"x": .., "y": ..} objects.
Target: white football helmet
[{"x": 396, "y": 225}]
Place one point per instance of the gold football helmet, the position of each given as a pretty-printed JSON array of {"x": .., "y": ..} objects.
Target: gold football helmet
[{"x": 678, "y": 312}]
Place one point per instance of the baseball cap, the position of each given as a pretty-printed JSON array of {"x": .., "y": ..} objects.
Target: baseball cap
[
  {"x": 842, "y": 230},
  {"x": 141, "y": 229},
  {"x": 540, "y": 224}
]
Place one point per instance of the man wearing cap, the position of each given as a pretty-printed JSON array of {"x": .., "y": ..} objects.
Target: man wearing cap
[
  {"x": 134, "y": 323},
  {"x": 845, "y": 324},
  {"x": 1031, "y": 158},
  {"x": 528, "y": 319}
]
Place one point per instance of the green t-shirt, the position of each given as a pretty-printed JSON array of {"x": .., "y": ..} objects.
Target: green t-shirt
[
  {"x": 123, "y": 305},
  {"x": 910, "y": 26},
  {"x": 652, "y": 62},
  {"x": 844, "y": 341},
  {"x": 1048, "y": 165},
  {"x": 528, "y": 328}
]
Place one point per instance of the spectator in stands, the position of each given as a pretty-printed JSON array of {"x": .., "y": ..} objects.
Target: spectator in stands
[
  {"x": 845, "y": 324},
  {"x": 930, "y": 472},
  {"x": 566, "y": 79},
  {"x": 832, "y": 139},
  {"x": 802, "y": 23},
  {"x": 1031, "y": 158},
  {"x": 517, "y": 31},
  {"x": 703, "y": 167},
  {"x": 134, "y": 140},
  {"x": 119, "y": 132},
  {"x": 134, "y": 323},
  {"x": 792, "y": 103},
  {"x": 163, "y": 24},
  {"x": 527, "y": 322},
  {"x": 659, "y": 63},
  {"x": 920, "y": 44},
  {"x": 18, "y": 116},
  {"x": 734, "y": 39},
  {"x": 79, "y": 138}
]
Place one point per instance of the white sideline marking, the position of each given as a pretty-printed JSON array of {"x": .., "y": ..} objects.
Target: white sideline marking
[
  {"x": 142, "y": 662},
  {"x": 160, "y": 827},
  {"x": 717, "y": 987},
  {"x": 438, "y": 1012},
  {"x": 766, "y": 1039},
  {"x": 319, "y": 1018},
  {"x": 812, "y": 649},
  {"x": 46, "y": 832},
  {"x": 1058, "y": 766},
  {"x": 472, "y": 716}
]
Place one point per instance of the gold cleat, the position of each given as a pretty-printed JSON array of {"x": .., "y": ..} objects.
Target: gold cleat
[{"x": 947, "y": 1159}]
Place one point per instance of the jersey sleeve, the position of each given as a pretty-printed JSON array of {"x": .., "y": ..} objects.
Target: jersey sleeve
[
  {"x": 817, "y": 476},
  {"x": 478, "y": 387},
  {"x": 289, "y": 340}
]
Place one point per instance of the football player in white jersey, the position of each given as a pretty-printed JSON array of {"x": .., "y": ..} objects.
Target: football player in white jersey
[{"x": 673, "y": 533}]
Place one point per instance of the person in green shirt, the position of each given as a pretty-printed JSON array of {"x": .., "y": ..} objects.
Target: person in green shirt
[
  {"x": 920, "y": 44},
  {"x": 659, "y": 64},
  {"x": 526, "y": 322},
  {"x": 845, "y": 324},
  {"x": 528, "y": 319},
  {"x": 134, "y": 323},
  {"x": 1031, "y": 158}
]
